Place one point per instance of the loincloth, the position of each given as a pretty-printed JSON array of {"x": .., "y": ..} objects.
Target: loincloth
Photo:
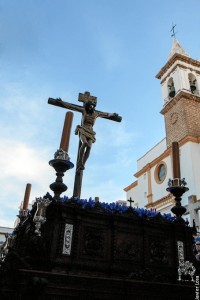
[{"x": 89, "y": 134}]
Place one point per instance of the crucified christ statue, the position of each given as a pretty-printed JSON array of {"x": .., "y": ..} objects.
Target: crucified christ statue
[{"x": 85, "y": 130}]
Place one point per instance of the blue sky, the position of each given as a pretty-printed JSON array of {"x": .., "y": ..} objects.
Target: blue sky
[{"x": 58, "y": 48}]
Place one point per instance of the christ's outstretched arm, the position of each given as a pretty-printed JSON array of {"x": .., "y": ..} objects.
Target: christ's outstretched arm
[
  {"x": 105, "y": 115},
  {"x": 60, "y": 103}
]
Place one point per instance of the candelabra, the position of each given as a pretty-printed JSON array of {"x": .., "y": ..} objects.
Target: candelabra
[
  {"x": 186, "y": 268},
  {"x": 23, "y": 215},
  {"x": 177, "y": 187},
  {"x": 40, "y": 214},
  {"x": 61, "y": 164}
]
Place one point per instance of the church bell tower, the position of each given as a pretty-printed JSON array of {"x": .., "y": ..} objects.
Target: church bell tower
[{"x": 180, "y": 82}]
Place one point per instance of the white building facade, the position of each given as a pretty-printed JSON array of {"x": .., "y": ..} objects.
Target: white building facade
[
  {"x": 180, "y": 84},
  {"x": 3, "y": 232}
]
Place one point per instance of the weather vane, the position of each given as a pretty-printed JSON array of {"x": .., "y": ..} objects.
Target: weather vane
[{"x": 173, "y": 31}]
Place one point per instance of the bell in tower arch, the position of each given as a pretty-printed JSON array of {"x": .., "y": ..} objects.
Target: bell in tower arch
[
  {"x": 192, "y": 82},
  {"x": 193, "y": 85},
  {"x": 171, "y": 90}
]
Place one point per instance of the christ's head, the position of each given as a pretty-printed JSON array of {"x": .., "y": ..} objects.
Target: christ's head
[{"x": 89, "y": 107}]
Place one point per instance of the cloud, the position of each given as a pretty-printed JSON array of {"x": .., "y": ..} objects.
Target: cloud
[
  {"x": 116, "y": 141},
  {"x": 110, "y": 165},
  {"x": 107, "y": 190},
  {"x": 21, "y": 164},
  {"x": 30, "y": 133},
  {"x": 16, "y": 158},
  {"x": 30, "y": 138},
  {"x": 110, "y": 50},
  {"x": 108, "y": 46},
  {"x": 19, "y": 109}
]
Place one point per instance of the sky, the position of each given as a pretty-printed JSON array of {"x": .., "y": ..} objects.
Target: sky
[{"x": 60, "y": 48}]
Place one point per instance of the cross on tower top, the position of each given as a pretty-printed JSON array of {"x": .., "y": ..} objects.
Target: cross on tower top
[{"x": 173, "y": 31}]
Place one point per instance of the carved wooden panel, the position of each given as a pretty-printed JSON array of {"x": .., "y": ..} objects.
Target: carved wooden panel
[
  {"x": 158, "y": 250},
  {"x": 93, "y": 242},
  {"x": 128, "y": 247}
]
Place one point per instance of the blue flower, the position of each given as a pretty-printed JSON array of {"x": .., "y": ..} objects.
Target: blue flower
[{"x": 113, "y": 208}]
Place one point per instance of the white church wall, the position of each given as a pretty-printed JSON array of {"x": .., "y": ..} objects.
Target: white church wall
[
  {"x": 198, "y": 83},
  {"x": 194, "y": 161},
  {"x": 186, "y": 83},
  {"x": 152, "y": 154},
  {"x": 190, "y": 169},
  {"x": 142, "y": 187},
  {"x": 187, "y": 171},
  {"x": 131, "y": 194},
  {"x": 144, "y": 192},
  {"x": 159, "y": 189},
  {"x": 196, "y": 166},
  {"x": 186, "y": 164},
  {"x": 176, "y": 78},
  {"x": 165, "y": 92},
  {"x": 189, "y": 161},
  {"x": 139, "y": 192}
]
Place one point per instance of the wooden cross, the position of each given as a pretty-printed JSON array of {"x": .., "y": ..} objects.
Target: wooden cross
[
  {"x": 85, "y": 130},
  {"x": 87, "y": 97},
  {"x": 131, "y": 201}
]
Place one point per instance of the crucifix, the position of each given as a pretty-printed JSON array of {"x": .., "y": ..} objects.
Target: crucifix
[{"x": 85, "y": 130}]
